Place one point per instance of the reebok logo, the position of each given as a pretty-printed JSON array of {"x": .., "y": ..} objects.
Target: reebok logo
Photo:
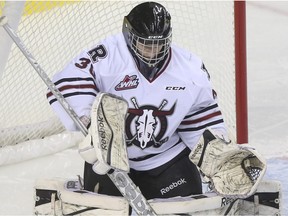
[
  {"x": 102, "y": 133},
  {"x": 173, "y": 185},
  {"x": 197, "y": 150},
  {"x": 129, "y": 82}
]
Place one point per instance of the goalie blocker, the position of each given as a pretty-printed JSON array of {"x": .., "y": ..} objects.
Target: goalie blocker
[
  {"x": 105, "y": 146},
  {"x": 60, "y": 197}
]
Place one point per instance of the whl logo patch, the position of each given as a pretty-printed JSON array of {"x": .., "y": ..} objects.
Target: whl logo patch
[{"x": 129, "y": 82}]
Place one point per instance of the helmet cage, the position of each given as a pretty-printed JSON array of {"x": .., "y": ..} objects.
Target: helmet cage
[{"x": 150, "y": 50}]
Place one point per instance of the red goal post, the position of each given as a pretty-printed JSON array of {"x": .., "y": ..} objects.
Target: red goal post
[
  {"x": 55, "y": 32},
  {"x": 241, "y": 72}
]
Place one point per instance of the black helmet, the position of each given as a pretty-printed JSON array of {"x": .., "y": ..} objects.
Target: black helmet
[{"x": 148, "y": 33}]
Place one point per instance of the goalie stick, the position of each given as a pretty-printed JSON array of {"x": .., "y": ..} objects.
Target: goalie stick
[{"x": 121, "y": 180}]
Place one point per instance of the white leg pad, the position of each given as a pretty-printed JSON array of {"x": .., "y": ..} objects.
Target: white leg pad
[
  {"x": 56, "y": 197},
  {"x": 60, "y": 197},
  {"x": 266, "y": 201}
]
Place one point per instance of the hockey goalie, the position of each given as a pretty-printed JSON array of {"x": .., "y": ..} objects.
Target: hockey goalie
[
  {"x": 155, "y": 132},
  {"x": 234, "y": 173}
]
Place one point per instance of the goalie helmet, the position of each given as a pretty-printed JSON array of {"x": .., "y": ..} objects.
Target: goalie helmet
[{"x": 147, "y": 31}]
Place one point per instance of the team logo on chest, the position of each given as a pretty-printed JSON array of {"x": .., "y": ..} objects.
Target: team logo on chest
[
  {"x": 146, "y": 125},
  {"x": 129, "y": 82}
]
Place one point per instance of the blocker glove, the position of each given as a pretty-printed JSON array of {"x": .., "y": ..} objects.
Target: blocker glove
[{"x": 105, "y": 145}]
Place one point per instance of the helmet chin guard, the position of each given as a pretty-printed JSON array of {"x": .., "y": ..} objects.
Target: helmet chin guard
[{"x": 148, "y": 33}]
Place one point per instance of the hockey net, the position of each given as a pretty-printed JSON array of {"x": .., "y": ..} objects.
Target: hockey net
[{"x": 54, "y": 32}]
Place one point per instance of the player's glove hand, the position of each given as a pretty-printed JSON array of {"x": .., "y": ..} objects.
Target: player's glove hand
[
  {"x": 234, "y": 170},
  {"x": 105, "y": 145},
  {"x": 88, "y": 153}
]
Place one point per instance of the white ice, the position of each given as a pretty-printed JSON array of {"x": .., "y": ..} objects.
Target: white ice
[{"x": 267, "y": 46}]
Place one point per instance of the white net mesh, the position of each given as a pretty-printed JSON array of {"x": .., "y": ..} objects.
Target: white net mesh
[{"x": 54, "y": 32}]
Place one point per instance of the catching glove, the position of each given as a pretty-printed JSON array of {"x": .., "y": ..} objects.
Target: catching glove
[{"x": 234, "y": 170}]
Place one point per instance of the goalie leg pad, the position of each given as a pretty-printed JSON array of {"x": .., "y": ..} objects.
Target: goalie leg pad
[
  {"x": 57, "y": 197},
  {"x": 266, "y": 201}
]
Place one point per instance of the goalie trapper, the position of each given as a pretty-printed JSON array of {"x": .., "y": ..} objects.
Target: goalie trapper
[{"x": 234, "y": 170}]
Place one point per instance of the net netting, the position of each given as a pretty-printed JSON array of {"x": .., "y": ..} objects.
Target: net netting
[{"x": 54, "y": 32}]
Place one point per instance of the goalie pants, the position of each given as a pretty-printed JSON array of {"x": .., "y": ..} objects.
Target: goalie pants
[{"x": 178, "y": 177}]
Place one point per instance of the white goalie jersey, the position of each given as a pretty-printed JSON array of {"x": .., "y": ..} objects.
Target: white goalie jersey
[{"x": 166, "y": 114}]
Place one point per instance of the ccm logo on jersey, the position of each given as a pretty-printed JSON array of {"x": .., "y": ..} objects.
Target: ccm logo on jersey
[
  {"x": 174, "y": 88},
  {"x": 173, "y": 185}
]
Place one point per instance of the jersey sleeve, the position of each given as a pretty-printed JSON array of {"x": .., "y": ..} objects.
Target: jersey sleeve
[
  {"x": 79, "y": 88},
  {"x": 204, "y": 113}
]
